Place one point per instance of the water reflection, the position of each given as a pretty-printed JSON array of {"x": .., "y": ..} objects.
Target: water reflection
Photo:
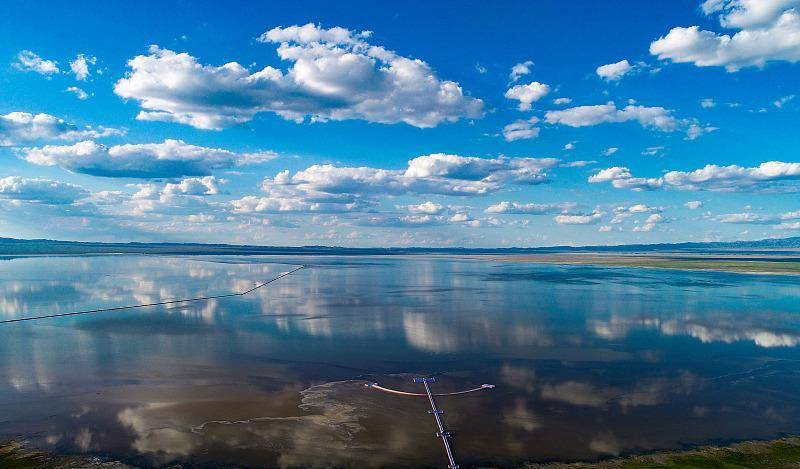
[{"x": 589, "y": 362}]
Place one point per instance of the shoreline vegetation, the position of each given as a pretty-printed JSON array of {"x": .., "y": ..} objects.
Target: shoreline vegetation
[
  {"x": 767, "y": 454},
  {"x": 750, "y": 264}
]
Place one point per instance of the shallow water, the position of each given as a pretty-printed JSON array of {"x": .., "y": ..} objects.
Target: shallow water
[{"x": 588, "y": 361}]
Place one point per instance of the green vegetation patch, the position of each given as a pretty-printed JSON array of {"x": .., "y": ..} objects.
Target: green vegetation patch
[
  {"x": 776, "y": 454},
  {"x": 14, "y": 456}
]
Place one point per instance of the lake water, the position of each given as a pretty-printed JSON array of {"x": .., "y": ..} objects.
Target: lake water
[{"x": 588, "y": 361}]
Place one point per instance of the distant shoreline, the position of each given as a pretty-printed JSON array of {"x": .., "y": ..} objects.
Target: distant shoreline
[{"x": 11, "y": 246}]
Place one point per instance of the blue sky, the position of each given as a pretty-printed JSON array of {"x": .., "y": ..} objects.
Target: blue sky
[{"x": 365, "y": 124}]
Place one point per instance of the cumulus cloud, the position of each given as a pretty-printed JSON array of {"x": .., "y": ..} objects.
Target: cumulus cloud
[
  {"x": 519, "y": 70},
  {"x": 185, "y": 197},
  {"x": 321, "y": 188},
  {"x": 623, "y": 212},
  {"x": 650, "y": 223},
  {"x": 707, "y": 103},
  {"x": 693, "y": 204},
  {"x": 771, "y": 176},
  {"x": 561, "y": 101},
  {"x": 489, "y": 170},
  {"x": 747, "y": 13},
  {"x": 79, "y": 93},
  {"x": 28, "y": 61},
  {"x": 171, "y": 158},
  {"x": 657, "y": 118},
  {"x": 506, "y": 207},
  {"x": 766, "y": 176},
  {"x": 615, "y": 71},
  {"x": 580, "y": 219},
  {"x": 527, "y": 94},
  {"x": 521, "y": 129},
  {"x": 208, "y": 185},
  {"x": 80, "y": 66},
  {"x": 43, "y": 191},
  {"x": 769, "y": 30},
  {"x": 21, "y": 127},
  {"x": 621, "y": 178},
  {"x": 426, "y": 208},
  {"x": 335, "y": 74},
  {"x": 641, "y": 208}
]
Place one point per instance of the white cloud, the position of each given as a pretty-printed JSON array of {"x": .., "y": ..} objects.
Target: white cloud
[
  {"x": 560, "y": 101},
  {"x": 779, "y": 103},
  {"x": 20, "y": 127},
  {"x": 657, "y": 118},
  {"x": 707, "y": 103},
  {"x": 329, "y": 188},
  {"x": 591, "y": 219},
  {"x": 751, "y": 218},
  {"x": 746, "y": 218},
  {"x": 334, "y": 75},
  {"x": 615, "y": 71},
  {"x": 171, "y": 158},
  {"x": 775, "y": 176},
  {"x": 621, "y": 178},
  {"x": 527, "y": 94},
  {"x": 610, "y": 151},
  {"x": 521, "y": 129},
  {"x": 768, "y": 175},
  {"x": 506, "y": 207},
  {"x": 623, "y": 212},
  {"x": 490, "y": 170},
  {"x": 650, "y": 223},
  {"x": 405, "y": 221},
  {"x": 569, "y": 146},
  {"x": 653, "y": 151},
  {"x": 208, "y": 185},
  {"x": 693, "y": 204},
  {"x": 519, "y": 70},
  {"x": 80, "y": 66},
  {"x": 748, "y": 13},
  {"x": 43, "y": 191},
  {"x": 426, "y": 208},
  {"x": 641, "y": 208},
  {"x": 578, "y": 163},
  {"x": 769, "y": 30},
  {"x": 79, "y": 93},
  {"x": 28, "y": 61}
]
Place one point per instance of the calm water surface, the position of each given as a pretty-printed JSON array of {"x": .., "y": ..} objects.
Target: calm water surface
[{"x": 588, "y": 361}]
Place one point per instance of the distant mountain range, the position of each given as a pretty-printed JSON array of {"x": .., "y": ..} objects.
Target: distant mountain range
[{"x": 11, "y": 246}]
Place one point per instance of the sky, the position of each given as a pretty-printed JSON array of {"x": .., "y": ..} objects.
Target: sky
[{"x": 412, "y": 124}]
